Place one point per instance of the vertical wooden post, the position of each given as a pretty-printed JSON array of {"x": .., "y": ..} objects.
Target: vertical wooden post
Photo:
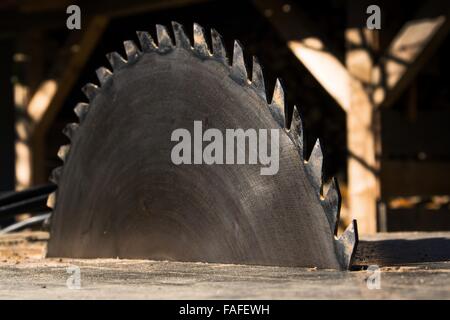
[
  {"x": 66, "y": 74},
  {"x": 7, "y": 153},
  {"x": 35, "y": 48},
  {"x": 362, "y": 122}
]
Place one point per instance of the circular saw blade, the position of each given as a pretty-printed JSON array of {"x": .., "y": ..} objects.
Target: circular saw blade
[{"x": 120, "y": 195}]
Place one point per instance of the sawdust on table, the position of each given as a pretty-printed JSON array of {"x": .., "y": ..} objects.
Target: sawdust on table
[{"x": 17, "y": 247}]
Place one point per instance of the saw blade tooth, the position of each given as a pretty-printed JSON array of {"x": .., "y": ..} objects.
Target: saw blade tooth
[
  {"x": 51, "y": 200},
  {"x": 238, "y": 69},
  {"x": 146, "y": 41},
  {"x": 314, "y": 165},
  {"x": 296, "y": 131},
  {"x": 116, "y": 61},
  {"x": 258, "y": 79},
  {"x": 278, "y": 105},
  {"x": 200, "y": 44},
  {"x": 131, "y": 50},
  {"x": 103, "y": 75},
  {"x": 81, "y": 110},
  {"x": 346, "y": 245},
  {"x": 164, "y": 40},
  {"x": 181, "y": 39},
  {"x": 90, "y": 90},
  {"x": 331, "y": 203},
  {"x": 55, "y": 175},
  {"x": 219, "y": 51},
  {"x": 70, "y": 129},
  {"x": 63, "y": 151}
]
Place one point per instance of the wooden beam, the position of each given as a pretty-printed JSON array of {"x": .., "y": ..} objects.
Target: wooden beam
[
  {"x": 86, "y": 42},
  {"x": 29, "y": 59},
  {"x": 324, "y": 66},
  {"x": 414, "y": 44},
  {"x": 409, "y": 51},
  {"x": 363, "y": 130},
  {"x": 389, "y": 249},
  {"x": 310, "y": 46},
  {"x": 412, "y": 47},
  {"x": 50, "y": 96}
]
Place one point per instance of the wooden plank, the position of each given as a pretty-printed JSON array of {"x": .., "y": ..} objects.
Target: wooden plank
[
  {"x": 411, "y": 178},
  {"x": 403, "y": 248},
  {"x": 21, "y": 260},
  {"x": 23, "y": 245}
]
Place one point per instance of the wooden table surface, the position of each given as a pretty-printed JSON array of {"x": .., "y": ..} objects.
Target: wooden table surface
[{"x": 412, "y": 265}]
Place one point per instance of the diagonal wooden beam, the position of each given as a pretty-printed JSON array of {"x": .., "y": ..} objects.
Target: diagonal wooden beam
[
  {"x": 43, "y": 111},
  {"x": 409, "y": 51},
  {"x": 360, "y": 86},
  {"x": 326, "y": 68},
  {"x": 51, "y": 94},
  {"x": 309, "y": 44},
  {"x": 48, "y": 99}
]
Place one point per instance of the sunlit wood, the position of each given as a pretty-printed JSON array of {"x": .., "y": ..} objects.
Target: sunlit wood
[
  {"x": 50, "y": 100},
  {"x": 362, "y": 136},
  {"x": 41, "y": 100},
  {"x": 327, "y": 70},
  {"x": 402, "y": 60},
  {"x": 23, "y": 165}
]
